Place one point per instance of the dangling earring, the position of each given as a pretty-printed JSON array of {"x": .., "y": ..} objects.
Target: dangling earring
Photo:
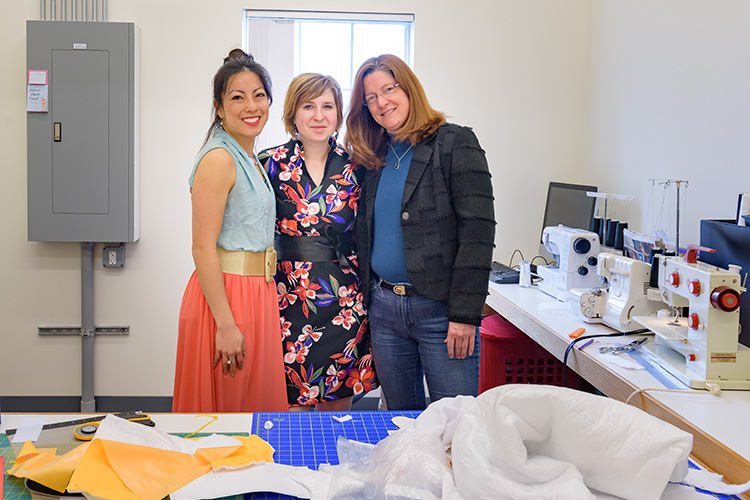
[{"x": 296, "y": 130}]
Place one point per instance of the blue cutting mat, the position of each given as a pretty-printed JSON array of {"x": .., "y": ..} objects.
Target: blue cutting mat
[{"x": 309, "y": 438}]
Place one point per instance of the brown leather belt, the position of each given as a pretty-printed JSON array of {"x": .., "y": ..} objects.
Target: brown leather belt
[
  {"x": 248, "y": 263},
  {"x": 398, "y": 289}
]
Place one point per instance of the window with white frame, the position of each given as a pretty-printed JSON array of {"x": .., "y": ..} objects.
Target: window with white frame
[{"x": 288, "y": 43}]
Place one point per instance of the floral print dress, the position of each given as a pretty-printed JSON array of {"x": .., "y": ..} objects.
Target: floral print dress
[{"x": 323, "y": 320}]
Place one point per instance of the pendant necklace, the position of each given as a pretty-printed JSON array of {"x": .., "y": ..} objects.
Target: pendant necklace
[{"x": 399, "y": 158}]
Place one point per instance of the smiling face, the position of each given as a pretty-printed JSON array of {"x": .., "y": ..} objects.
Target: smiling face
[
  {"x": 390, "y": 112},
  {"x": 244, "y": 109},
  {"x": 316, "y": 120}
]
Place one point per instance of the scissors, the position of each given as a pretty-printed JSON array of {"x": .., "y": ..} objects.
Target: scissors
[{"x": 623, "y": 348}]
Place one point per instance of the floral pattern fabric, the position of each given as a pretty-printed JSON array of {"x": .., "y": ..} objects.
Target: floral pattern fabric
[{"x": 323, "y": 319}]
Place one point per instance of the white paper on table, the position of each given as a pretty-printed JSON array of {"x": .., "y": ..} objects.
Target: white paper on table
[
  {"x": 29, "y": 430},
  {"x": 299, "y": 482}
]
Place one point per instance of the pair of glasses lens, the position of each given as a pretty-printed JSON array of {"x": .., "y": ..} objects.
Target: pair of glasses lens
[{"x": 385, "y": 92}]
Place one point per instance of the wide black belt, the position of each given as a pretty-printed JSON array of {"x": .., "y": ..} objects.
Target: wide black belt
[{"x": 321, "y": 248}]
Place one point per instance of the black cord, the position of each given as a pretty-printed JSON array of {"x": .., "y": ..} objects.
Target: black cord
[
  {"x": 510, "y": 263},
  {"x": 546, "y": 262},
  {"x": 575, "y": 341}
]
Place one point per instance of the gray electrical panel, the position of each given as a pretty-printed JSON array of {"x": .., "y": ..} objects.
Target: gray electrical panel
[{"x": 82, "y": 131}]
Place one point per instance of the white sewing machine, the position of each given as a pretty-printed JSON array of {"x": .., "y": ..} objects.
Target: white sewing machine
[
  {"x": 702, "y": 347},
  {"x": 575, "y": 251},
  {"x": 625, "y": 294}
]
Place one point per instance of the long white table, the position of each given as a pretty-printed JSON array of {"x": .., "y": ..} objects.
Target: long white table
[{"x": 719, "y": 424}]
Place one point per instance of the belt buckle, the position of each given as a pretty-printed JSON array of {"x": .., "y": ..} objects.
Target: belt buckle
[
  {"x": 270, "y": 264},
  {"x": 399, "y": 289}
]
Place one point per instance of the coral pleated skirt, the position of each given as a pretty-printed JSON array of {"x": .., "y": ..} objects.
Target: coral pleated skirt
[{"x": 260, "y": 386}]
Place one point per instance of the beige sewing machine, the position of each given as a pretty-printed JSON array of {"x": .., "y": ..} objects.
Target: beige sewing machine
[
  {"x": 624, "y": 296},
  {"x": 701, "y": 347}
]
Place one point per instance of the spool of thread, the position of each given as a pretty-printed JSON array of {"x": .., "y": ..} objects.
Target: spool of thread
[
  {"x": 611, "y": 230},
  {"x": 596, "y": 223},
  {"x": 603, "y": 230},
  {"x": 619, "y": 233}
]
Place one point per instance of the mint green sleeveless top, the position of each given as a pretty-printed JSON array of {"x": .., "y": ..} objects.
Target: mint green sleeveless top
[{"x": 250, "y": 214}]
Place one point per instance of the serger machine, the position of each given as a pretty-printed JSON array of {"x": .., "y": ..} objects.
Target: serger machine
[
  {"x": 701, "y": 346},
  {"x": 575, "y": 252},
  {"x": 624, "y": 295}
]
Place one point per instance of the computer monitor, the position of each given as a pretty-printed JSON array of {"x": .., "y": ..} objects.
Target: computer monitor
[{"x": 567, "y": 204}]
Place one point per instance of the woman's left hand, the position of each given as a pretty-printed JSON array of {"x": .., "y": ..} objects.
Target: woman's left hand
[{"x": 460, "y": 340}]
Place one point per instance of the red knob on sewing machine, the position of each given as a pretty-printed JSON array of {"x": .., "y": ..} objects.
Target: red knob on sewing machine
[
  {"x": 694, "y": 321},
  {"x": 725, "y": 298},
  {"x": 674, "y": 279},
  {"x": 694, "y": 287}
]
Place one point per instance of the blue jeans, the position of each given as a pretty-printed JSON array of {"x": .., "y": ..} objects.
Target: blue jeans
[{"x": 408, "y": 343}]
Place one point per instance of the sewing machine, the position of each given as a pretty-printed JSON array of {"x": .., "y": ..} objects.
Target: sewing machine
[
  {"x": 702, "y": 346},
  {"x": 575, "y": 252},
  {"x": 624, "y": 296}
]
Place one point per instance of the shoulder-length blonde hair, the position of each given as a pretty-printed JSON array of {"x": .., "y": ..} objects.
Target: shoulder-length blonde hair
[
  {"x": 365, "y": 138},
  {"x": 306, "y": 87}
]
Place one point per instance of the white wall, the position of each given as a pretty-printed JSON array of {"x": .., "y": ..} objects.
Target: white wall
[
  {"x": 608, "y": 92},
  {"x": 669, "y": 99}
]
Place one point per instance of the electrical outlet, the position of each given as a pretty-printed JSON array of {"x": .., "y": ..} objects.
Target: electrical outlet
[{"x": 114, "y": 256}]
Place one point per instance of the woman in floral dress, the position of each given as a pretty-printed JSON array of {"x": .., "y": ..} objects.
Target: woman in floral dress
[{"x": 323, "y": 321}]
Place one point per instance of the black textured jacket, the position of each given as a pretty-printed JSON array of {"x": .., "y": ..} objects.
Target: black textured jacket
[{"x": 447, "y": 220}]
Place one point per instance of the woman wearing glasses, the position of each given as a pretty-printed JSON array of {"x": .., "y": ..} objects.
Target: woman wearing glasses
[
  {"x": 425, "y": 234},
  {"x": 323, "y": 322}
]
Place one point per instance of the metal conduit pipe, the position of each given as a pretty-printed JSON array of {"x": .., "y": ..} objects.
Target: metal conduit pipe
[
  {"x": 42, "y": 10},
  {"x": 94, "y": 13},
  {"x": 84, "y": 11},
  {"x": 88, "y": 404},
  {"x": 104, "y": 10},
  {"x": 63, "y": 10},
  {"x": 52, "y": 14}
]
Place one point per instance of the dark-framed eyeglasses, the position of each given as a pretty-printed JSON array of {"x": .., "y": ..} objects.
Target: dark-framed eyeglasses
[{"x": 385, "y": 92}]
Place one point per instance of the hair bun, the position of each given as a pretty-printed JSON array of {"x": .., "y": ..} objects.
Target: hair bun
[{"x": 237, "y": 54}]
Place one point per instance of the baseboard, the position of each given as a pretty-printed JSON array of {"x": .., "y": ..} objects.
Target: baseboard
[
  {"x": 72, "y": 404},
  {"x": 117, "y": 404}
]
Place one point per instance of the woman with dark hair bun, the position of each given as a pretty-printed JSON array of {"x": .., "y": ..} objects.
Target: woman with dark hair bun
[
  {"x": 425, "y": 234},
  {"x": 324, "y": 324},
  {"x": 228, "y": 352}
]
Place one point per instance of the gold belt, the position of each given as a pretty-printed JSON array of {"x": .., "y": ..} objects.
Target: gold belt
[{"x": 248, "y": 263}]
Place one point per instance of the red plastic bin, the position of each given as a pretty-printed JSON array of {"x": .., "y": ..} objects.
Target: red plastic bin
[{"x": 509, "y": 356}]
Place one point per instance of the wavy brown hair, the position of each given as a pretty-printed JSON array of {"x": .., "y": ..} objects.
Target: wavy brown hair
[
  {"x": 305, "y": 88},
  {"x": 365, "y": 138}
]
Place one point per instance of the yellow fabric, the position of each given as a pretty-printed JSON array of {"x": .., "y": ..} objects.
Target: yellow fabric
[
  {"x": 31, "y": 458},
  {"x": 120, "y": 471},
  {"x": 95, "y": 476},
  {"x": 253, "y": 450},
  {"x": 56, "y": 474}
]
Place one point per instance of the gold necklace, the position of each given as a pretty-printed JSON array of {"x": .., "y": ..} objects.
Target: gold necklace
[{"x": 399, "y": 158}]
